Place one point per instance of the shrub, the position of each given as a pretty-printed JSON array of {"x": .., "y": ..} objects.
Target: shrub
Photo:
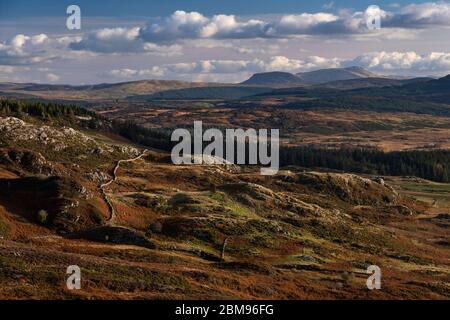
[
  {"x": 97, "y": 215},
  {"x": 181, "y": 199},
  {"x": 155, "y": 227},
  {"x": 157, "y": 202},
  {"x": 347, "y": 277},
  {"x": 4, "y": 228},
  {"x": 42, "y": 216},
  {"x": 218, "y": 196}
]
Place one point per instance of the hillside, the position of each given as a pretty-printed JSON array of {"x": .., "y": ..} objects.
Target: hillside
[
  {"x": 434, "y": 90},
  {"x": 419, "y": 95},
  {"x": 260, "y": 83},
  {"x": 369, "y": 83},
  {"x": 264, "y": 83},
  {"x": 95, "y": 92},
  {"x": 335, "y": 74},
  {"x": 204, "y": 93},
  {"x": 202, "y": 232},
  {"x": 274, "y": 79},
  {"x": 285, "y": 79}
]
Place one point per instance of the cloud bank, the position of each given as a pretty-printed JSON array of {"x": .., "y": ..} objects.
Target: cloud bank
[
  {"x": 167, "y": 35},
  {"x": 382, "y": 62},
  {"x": 194, "y": 25}
]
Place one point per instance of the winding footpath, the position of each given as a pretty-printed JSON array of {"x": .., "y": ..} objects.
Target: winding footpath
[{"x": 112, "y": 211}]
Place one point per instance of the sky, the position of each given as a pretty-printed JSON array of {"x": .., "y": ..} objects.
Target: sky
[{"x": 218, "y": 41}]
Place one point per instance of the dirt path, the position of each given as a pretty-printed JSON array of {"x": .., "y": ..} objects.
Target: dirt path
[{"x": 112, "y": 211}]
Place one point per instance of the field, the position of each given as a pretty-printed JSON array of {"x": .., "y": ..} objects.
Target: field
[{"x": 330, "y": 128}]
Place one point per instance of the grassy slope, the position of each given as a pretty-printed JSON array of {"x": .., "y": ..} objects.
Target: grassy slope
[
  {"x": 272, "y": 251},
  {"x": 296, "y": 235}
]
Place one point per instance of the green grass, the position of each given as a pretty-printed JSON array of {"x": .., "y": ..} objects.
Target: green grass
[
  {"x": 4, "y": 228},
  {"x": 240, "y": 211},
  {"x": 218, "y": 196},
  {"x": 428, "y": 188},
  {"x": 427, "y": 192}
]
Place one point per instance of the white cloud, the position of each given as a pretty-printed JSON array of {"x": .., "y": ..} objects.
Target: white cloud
[
  {"x": 110, "y": 40},
  {"x": 183, "y": 25},
  {"x": 220, "y": 70},
  {"x": 420, "y": 15},
  {"x": 7, "y": 69},
  {"x": 162, "y": 50},
  {"x": 304, "y": 23},
  {"x": 167, "y": 36},
  {"x": 121, "y": 40},
  {"x": 180, "y": 25},
  {"x": 18, "y": 41},
  {"x": 410, "y": 61},
  {"x": 39, "y": 39},
  {"x": 191, "y": 45},
  {"x": 123, "y": 73},
  {"x": 226, "y": 26},
  {"x": 24, "y": 50},
  {"x": 132, "y": 73},
  {"x": 52, "y": 77}
]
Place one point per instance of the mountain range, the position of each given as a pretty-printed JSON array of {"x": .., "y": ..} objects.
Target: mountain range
[
  {"x": 311, "y": 77},
  {"x": 269, "y": 83}
]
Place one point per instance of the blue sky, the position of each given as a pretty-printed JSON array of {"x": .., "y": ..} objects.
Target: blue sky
[
  {"x": 220, "y": 41},
  {"x": 120, "y": 8}
]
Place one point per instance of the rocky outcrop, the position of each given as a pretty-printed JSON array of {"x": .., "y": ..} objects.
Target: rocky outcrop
[
  {"x": 32, "y": 162},
  {"x": 65, "y": 202},
  {"x": 254, "y": 190},
  {"x": 251, "y": 194},
  {"x": 116, "y": 235},
  {"x": 349, "y": 187},
  {"x": 57, "y": 139}
]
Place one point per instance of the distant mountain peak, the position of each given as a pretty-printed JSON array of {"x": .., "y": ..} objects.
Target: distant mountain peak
[
  {"x": 356, "y": 68},
  {"x": 445, "y": 79},
  {"x": 279, "y": 78},
  {"x": 273, "y": 78},
  {"x": 336, "y": 74}
]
